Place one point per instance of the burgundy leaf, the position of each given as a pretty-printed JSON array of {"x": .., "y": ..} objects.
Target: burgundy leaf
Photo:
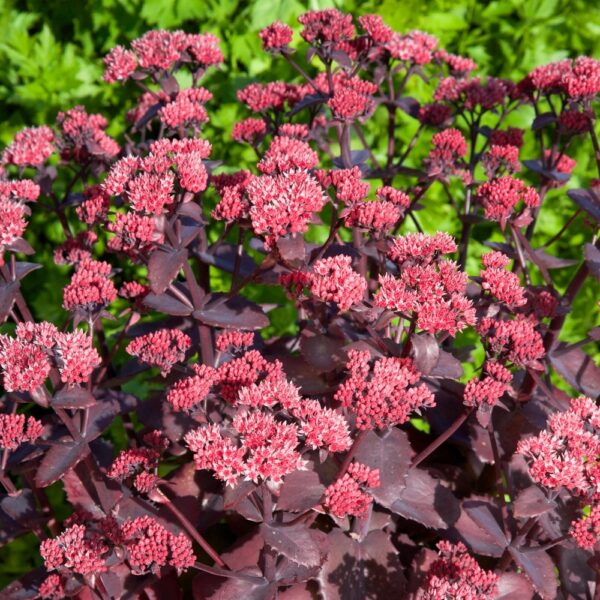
[
  {"x": 542, "y": 121},
  {"x": 426, "y": 501},
  {"x": 294, "y": 542},
  {"x": 236, "y": 312},
  {"x": 425, "y": 352},
  {"x": 539, "y": 568},
  {"x": 513, "y": 586},
  {"x": 409, "y": 105},
  {"x": 577, "y": 368},
  {"x": 553, "y": 262},
  {"x": 237, "y": 585},
  {"x": 292, "y": 248},
  {"x": 592, "y": 259},
  {"x": 224, "y": 257},
  {"x": 532, "y": 502},
  {"x": 8, "y": 293},
  {"x": 482, "y": 515},
  {"x": 356, "y": 570},
  {"x": 588, "y": 200},
  {"x": 163, "y": 267},
  {"x": 58, "y": 460},
  {"x": 321, "y": 351},
  {"x": 22, "y": 269},
  {"x": 391, "y": 454},
  {"x": 74, "y": 397},
  {"x": 301, "y": 490},
  {"x": 165, "y": 303}
]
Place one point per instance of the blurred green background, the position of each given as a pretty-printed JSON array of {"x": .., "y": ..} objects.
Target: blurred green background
[{"x": 50, "y": 60}]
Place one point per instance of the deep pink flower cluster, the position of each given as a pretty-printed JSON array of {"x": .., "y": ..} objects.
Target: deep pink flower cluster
[
  {"x": 271, "y": 96},
  {"x": 30, "y": 147},
  {"x": 94, "y": 208},
  {"x": 233, "y": 340},
  {"x": 499, "y": 282},
  {"x": 187, "y": 109},
  {"x": 83, "y": 136},
  {"x": 565, "y": 454},
  {"x": 414, "y": 47},
  {"x": 159, "y": 50},
  {"x": 515, "y": 340},
  {"x": 489, "y": 388},
  {"x": 512, "y": 136},
  {"x": 52, "y": 588},
  {"x": 501, "y": 160},
  {"x": 283, "y": 204},
  {"x": 276, "y": 36},
  {"x": 323, "y": 26},
  {"x": 334, "y": 280},
  {"x": 500, "y": 196},
  {"x": 346, "y": 496},
  {"x": 249, "y": 130},
  {"x": 27, "y": 360},
  {"x": 91, "y": 288},
  {"x": 189, "y": 392},
  {"x": 347, "y": 184},
  {"x": 474, "y": 94},
  {"x": 456, "y": 574},
  {"x": 13, "y": 196},
  {"x": 15, "y": 430},
  {"x": 384, "y": 392},
  {"x": 431, "y": 288},
  {"x": 285, "y": 154},
  {"x": 586, "y": 531},
  {"x": 378, "y": 216},
  {"x": 577, "y": 79},
  {"x": 163, "y": 348},
  {"x": 351, "y": 98},
  {"x": 449, "y": 147}
]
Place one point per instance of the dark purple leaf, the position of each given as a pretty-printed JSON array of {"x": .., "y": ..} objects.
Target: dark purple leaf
[
  {"x": 553, "y": 262},
  {"x": 165, "y": 303},
  {"x": 22, "y": 246},
  {"x": 532, "y": 502},
  {"x": 292, "y": 248},
  {"x": 237, "y": 499},
  {"x": 58, "y": 460},
  {"x": 539, "y": 568},
  {"x": 22, "y": 269},
  {"x": 409, "y": 105},
  {"x": 513, "y": 586},
  {"x": 163, "y": 267},
  {"x": 426, "y": 501},
  {"x": 213, "y": 587},
  {"x": 447, "y": 366},
  {"x": 391, "y": 454},
  {"x": 224, "y": 257},
  {"x": 8, "y": 293},
  {"x": 236, "y": 312},
  {"x": 357, "y": 157},
  {"x": 342, "y": 58},
  {"x": 357, "y": 570},
  {"x": 577, "y": 368},
  {"x": 310, "y": 100},
  {"x": 588, "y": 200},
  {"x": 294, "y": 542},
  {"x": 425, "y": 352},
  {"x": 575, "y": 571},
  {"x": 75, "y": 397},
  {"x": 542, "y": 121},
  {"x": 537, "y": 167},
  {"x": 476, "y": 538},
  {"x": 483, "y": 516},
  {"x": 592, "y": 259},
  {"x": 25, "y": 587},
  {"x": 148, "y": 115},
  {"x": 321, "y": 351},
  {"x": 301, "y": 490},
  {"x": 169, "y": 84}
]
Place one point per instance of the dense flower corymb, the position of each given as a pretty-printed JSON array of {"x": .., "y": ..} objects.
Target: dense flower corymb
[
  {"x": 383, "y": 393},
  {"x": 162, "y": 348},
  {"x": 346, "y": 496},
  {"x": 334, "y": 280},
  {"x": 15, "y": 429}
]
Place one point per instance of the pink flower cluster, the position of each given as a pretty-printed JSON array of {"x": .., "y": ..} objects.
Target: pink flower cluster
[
  {"x": 334, "y": 280},
  {"x": 160, "y": 50},
  {"x": 234, "y": 340},
  {"x": 146, "y": 544},
  {"x": 488, "y": 389},
  {"x": 348, "y": 185},
  {"x": 16, "y": 429},
  {"x": 501, "y": 160},
  {"x": 271, "y": 96},
  {"x": 276, "y": 36},
  {"x": 449, "y": 146},
  {"x": 474, "y": 94},
  {"x": 456, "y": 574},
  {"x": 586, "y": 531},
  {"x": 351, "y": 98},
  {"x": 249, "y": 130},
  {"x": 384, "y": 392},
  {"x": 515, "y": 340},
  {"x": 187, "y": 109},
  {"x": 163, "y": 348},
  {"x": 27, "y": 360},
  {"x": 565, "y": 454},
  {"x": 499, "y": 282},
  {"x": 189, "y": 392},
  {"x": 325, "y": 26},
  {"x": 431, "y": 288},
  {"x": 31, "y": 146},
  {"x": 83, "y": 136},
  {"x": 91, "y": 288},
  {"x": 500, "y": 196},
  {"x": 286, "y": 154},
  {"x": 577, "y": 79},
  {"x": 346, "y": 496}
]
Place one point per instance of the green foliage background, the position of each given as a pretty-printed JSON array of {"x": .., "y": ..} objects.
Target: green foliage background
[{"x": 50, "y": 60}]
